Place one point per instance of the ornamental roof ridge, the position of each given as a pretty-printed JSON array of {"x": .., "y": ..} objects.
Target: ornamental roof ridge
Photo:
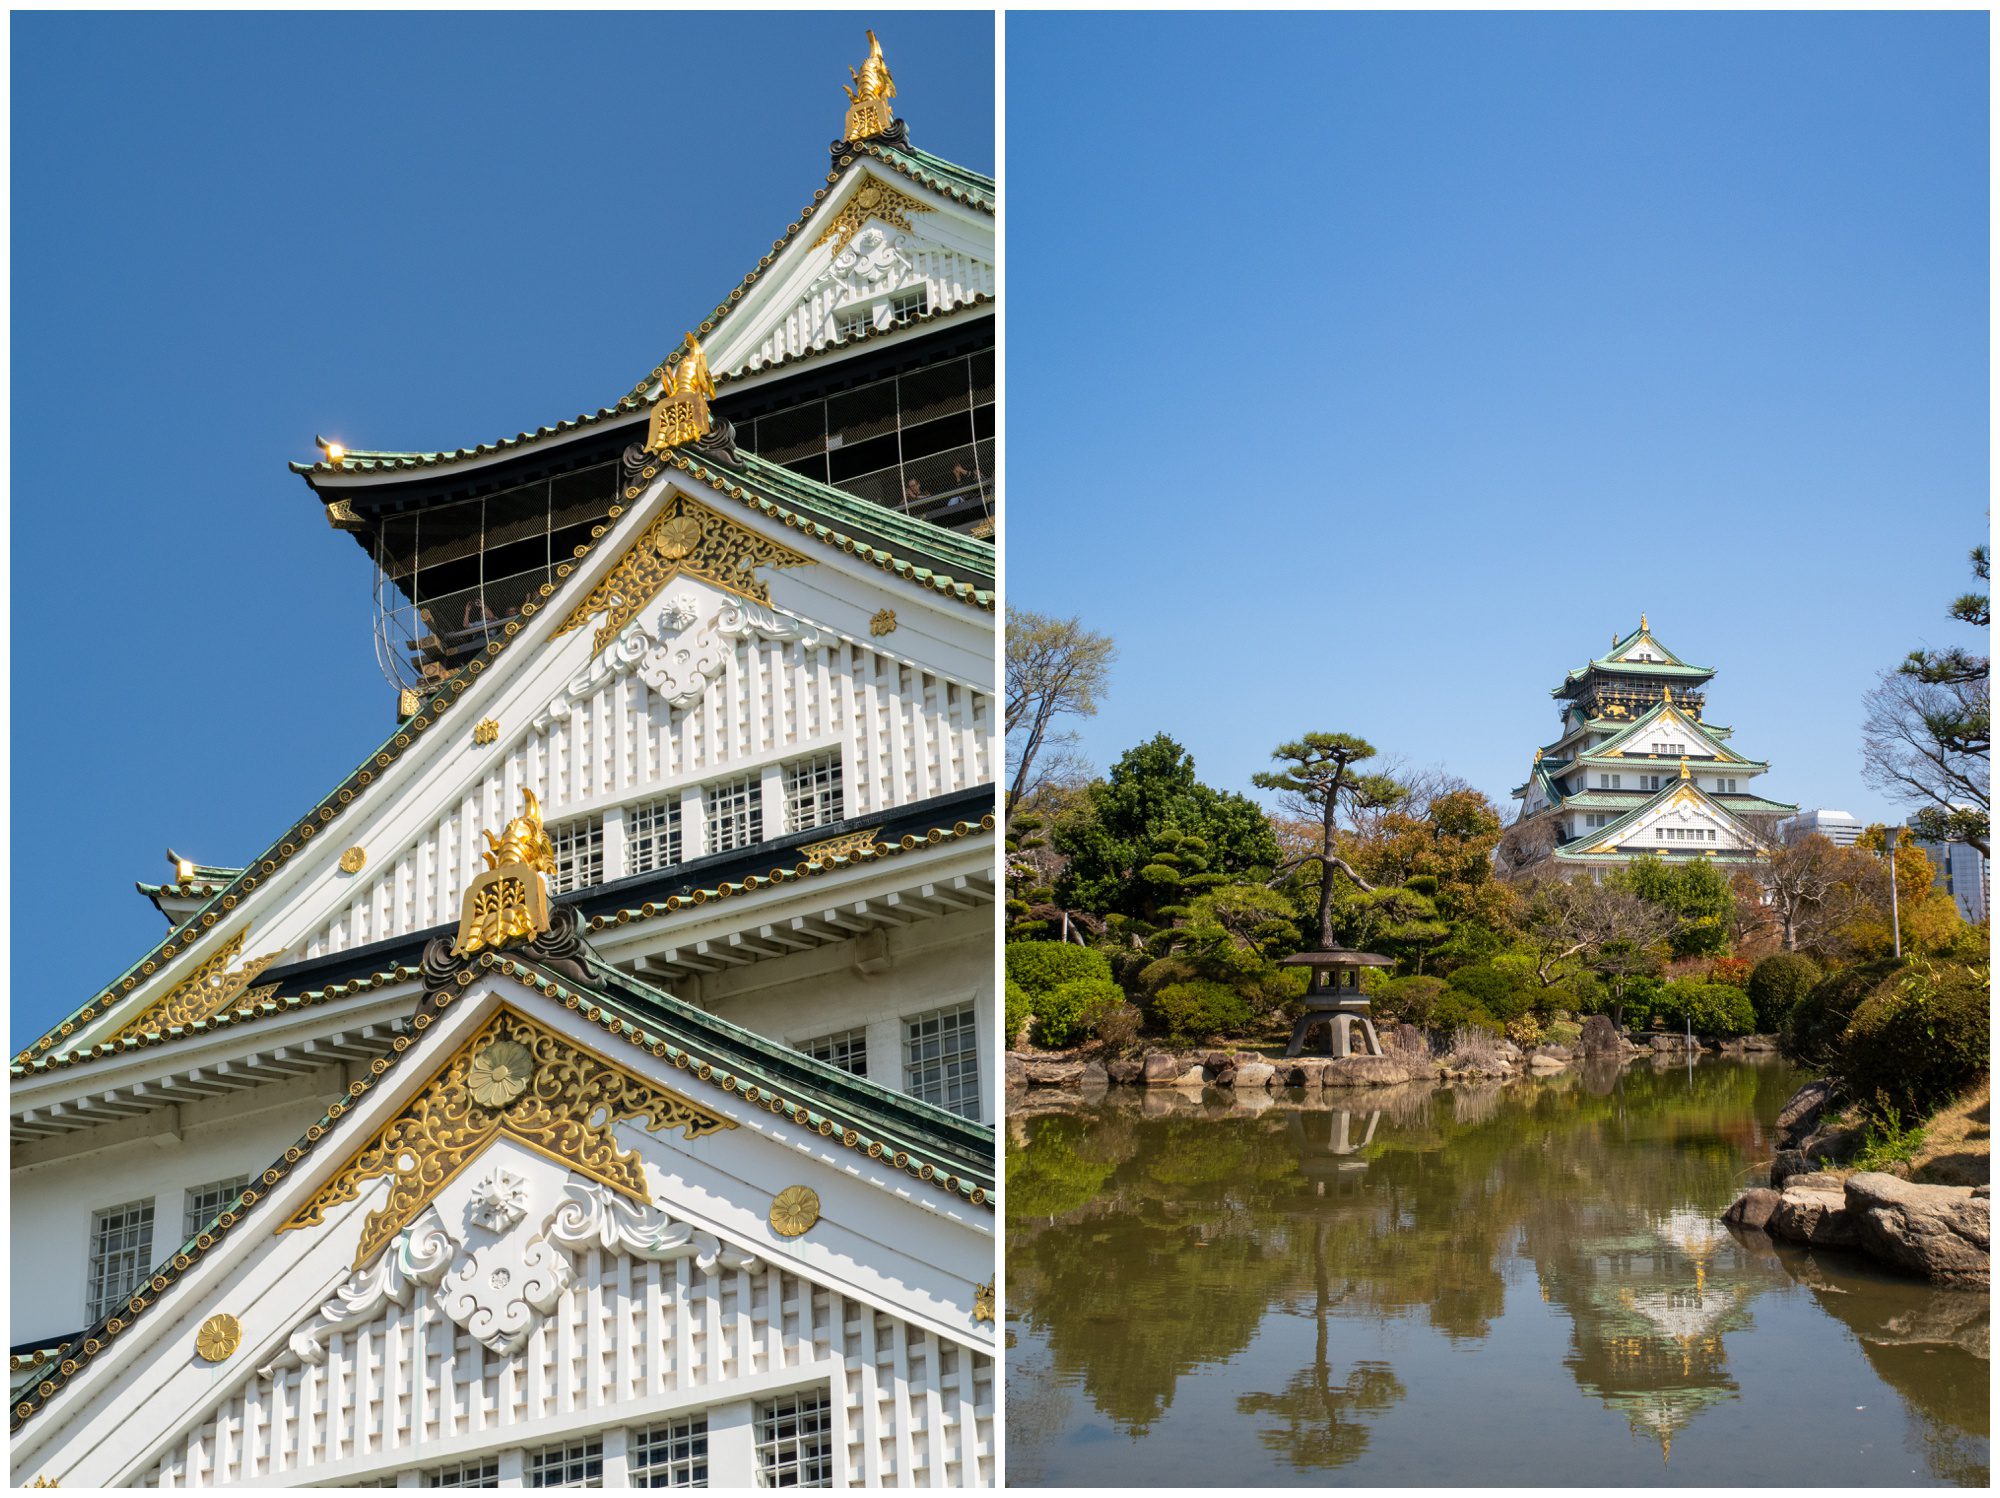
[
  {"x": 589, "y": 1000},
  {"x": 432, "y": 705}
]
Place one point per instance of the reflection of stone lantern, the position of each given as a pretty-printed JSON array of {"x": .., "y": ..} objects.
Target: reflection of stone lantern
[{"x": 1334, "y": 999}]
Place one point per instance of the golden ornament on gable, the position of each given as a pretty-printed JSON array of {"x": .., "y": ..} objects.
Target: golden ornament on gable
[
  {"x": 883, "y": 623},
  {"x": 500, "y": 1073},
  {"x": 485, "y": 731},
  {"x": 794, "y": 1210},
  {"x": 218, "y": 1337},
  {"x": 354, "y": 860},
  {"x": 509, "y": 900}
]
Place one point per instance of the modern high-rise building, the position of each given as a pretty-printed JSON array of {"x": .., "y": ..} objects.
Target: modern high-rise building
[
  {"x": 1963, "y": 872},
  {"x": 1838, "y": 827},
  {"x": 1638, "y": 771},
  {"x": 593, "y": 1088}
]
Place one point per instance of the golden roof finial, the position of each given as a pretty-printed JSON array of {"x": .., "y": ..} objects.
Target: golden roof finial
[
  {"x": 681, "y": 414},
  {"x": 1684, "y": 768},
  {"x": 510, "y": 899},
  {"x": 868, "y": 111},
  {"x": 1642, "y": 621}
]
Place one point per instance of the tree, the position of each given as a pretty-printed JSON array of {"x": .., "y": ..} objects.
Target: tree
[
  {"x": 1694, "y": 894},
  {"x": 1927, "y": 738},
  {"x": 1603, "y": 926},
  {"x": 1319, "y": 779},
  {"x": 1152, "y": 790},
  {"x": 1054, "y": 667},
  {"x": 1814, "y": 889}
]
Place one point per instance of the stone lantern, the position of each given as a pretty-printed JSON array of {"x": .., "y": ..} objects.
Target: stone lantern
[{"x": 1334, "y": 999}]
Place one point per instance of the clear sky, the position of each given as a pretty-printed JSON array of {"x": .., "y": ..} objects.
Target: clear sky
[
  {"x": 234, "y": 231},
  {"x": 1368, "y": 372}
]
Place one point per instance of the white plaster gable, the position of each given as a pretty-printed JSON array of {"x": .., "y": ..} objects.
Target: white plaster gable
[
  {"x": 913, "y": 720},
  {"x": 794, "y": 305},
  {"x": 512, "y": 1267},
  {"x": 1670, "y": 725},
  {"x": 1686, "y": 815}
]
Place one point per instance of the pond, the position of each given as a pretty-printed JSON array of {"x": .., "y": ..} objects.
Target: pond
[{"x": 1506, "y": 1283}]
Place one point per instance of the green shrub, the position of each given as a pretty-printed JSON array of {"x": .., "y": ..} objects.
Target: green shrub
[
  {"x": 1118, "y": 1027},
  {"x": 1019, "y": 1008},
  {"x": 1044, "y": 966},
  {"x": 1071, "y": 1012},
  {"x": 1199, "y": 1008},
  {"x": 1918, "y": 1041},
  {"x": 1706, "y": 1008},
  {"x": 1562, "y": 1032},
  {"x": 1816, "y": 1023},
  {"x": 1406, "y": 999},
  {"x": 1779, "y": 982},
  {"x": 1454, "y": 1011}
]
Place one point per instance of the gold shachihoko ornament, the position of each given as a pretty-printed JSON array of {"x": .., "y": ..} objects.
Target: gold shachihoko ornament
[
  {"x": 510, "y": 899},
  {"x": 681, "y": 414},
  {"x": 868, "y": 111}
]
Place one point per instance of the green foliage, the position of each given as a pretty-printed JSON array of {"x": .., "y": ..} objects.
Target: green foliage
[
  {"x": 1041, "y": 967},
  {"x": 1408, "y": 1000},
  {"x": 1150, "y": 794},
  {"x": 1886, "y": 1140},
  {"x": 1696, "y": 894},
  {"x": 1563, "y": 1032},
  {"x": 1707, "y": 1008},
  {"x": 1019, "y": 1007},
  {"x": 1454, "y": 1009},
  {"x": 1198, "y": 1008},
  {"x": 1073, "y": 1011},
  {"x": 1918, "y": 1040},
  {"x": 1813, "y": 1029},
  {"x": 1779, "y": 982}
]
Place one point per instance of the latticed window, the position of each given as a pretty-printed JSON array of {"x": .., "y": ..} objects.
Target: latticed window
[
  {"x": 812, "y": 792},
  {"x": 479, "y": 1474},
  {"x": 674, "y": 1455},
  {"x": 848, "y": 1050},
  {"x": 653, "y": 836},
  {"x": 941, "y": 1059},
  {"x": 795, "y": 1441},
  {"x": 575, "y": 1464},
  {"x": 121, "y": 1251},
  {"x": 205, "y": 1202},
  {"x": 907, "y": 306},
  {"x": 735, "y": 814},
  {"x": 579, "y": 854}
]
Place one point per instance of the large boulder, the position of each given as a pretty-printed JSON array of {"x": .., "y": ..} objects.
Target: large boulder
[
  {"x": 1600, "y": 1037},
  {"x": 1161, "y": 1069},
  {"x": 1252, "y": 1076},
  {"x": 1095, "y": 1078},
  {"x": 1801, "y": 1113},
  {"x": 1787, "y": 1164},
  {"x": 1124, "y": 1070},
  {"x": 1052, "y": 1071},
  {"x": 1941, "y": 1232},
  {"x": 1365, "y": 1071},
  {"x": 1753, "y": 1208},
  {"x": 1817, "y": 1218},
  {"x": 1017, "y": 1073}
]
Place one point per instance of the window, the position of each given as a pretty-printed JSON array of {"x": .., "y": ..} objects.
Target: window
[
  {"x": 848, "y": 1050},
  {"x": 674, "y": 1455},
  {"x": 121, "y": 1251},
  {"x": 795, "y": 1441},
  {"x": 735, "y": 814},
  {"x": 578, "y": 1464},
  {"x": 579, "y": 855},
  {"x": 653, "y": 836},
  {"x": 907, "y": 306},
  {"x": 1725, "y": 785},
  {"x": 855, "y": 323},
  {"x": 1608, "y": 782},
  {"x": 941, "y": 1061},
  {"x": 812, "y": 792},
  {"x": 205, "y": 1203},
  {"x": 480, "y": 1474}
]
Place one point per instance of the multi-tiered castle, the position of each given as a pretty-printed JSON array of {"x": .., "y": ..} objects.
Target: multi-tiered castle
[{"x": 1638, "y": 771}]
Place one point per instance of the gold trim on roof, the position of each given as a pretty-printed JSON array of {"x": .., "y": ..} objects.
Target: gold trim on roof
[
  {"x": 208, "y": 990},
  {"x": 872, "y": 199},
  {"x": 844, "y": 846},
  {"x": 509, "y": 899},
  {"x": 686, "y": 536},
  {"x": 565, "y": 1109}
]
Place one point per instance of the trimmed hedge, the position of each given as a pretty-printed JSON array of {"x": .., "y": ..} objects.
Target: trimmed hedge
[
  {"x": 1043, "y": 966},
  {"x": 1199, "y": 1008},
  {"x": 1918, "y": 1041},
  {"x": 1777, "y": 984},
  {"x": 1813, "y": 1029},
  {"x": 1019, "y": 1007},
  {"x": 1073, "y": 1011}
]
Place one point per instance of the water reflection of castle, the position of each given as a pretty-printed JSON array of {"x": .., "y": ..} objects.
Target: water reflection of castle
[{"x": 1649, "y": 1307}]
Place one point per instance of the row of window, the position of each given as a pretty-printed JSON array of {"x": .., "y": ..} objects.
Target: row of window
[
  {"x": 940, "y": 1057},
  {"x": 898, "y": 311},
  {"x": 1685, "y": 834},
  {"x": 121, "y": 1242},
  {"x": 732, "y": 814},
  {"x": 794, "y": 1445}
]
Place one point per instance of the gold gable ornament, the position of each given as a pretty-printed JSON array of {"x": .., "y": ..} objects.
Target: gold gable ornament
[
  {"x": 681, "y": 415},
  {"x": 869, "y": 112},
  {"x": 509, "y": 900}
]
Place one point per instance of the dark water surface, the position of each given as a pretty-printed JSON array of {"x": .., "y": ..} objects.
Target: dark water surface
[{"x": 1493, "y": 1284}]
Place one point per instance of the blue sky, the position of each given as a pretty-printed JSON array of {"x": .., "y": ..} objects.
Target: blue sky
[
  {"x": 231, "y": 232},
  {"x": 1367, "y": 372}
]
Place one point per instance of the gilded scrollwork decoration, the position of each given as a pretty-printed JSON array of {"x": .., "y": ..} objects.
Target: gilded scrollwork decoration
[
  {"x": 685, "y": 537},
  {"x": 566, "y": 1109},
  {"x": 983, "y": 1304},
  {"x": 876, "y": 200},
  {"x": 207, "y": 991}
]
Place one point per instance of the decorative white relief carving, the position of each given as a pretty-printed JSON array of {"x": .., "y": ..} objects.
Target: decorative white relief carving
[
  {"x": 872, "y": 264},
  {"x": 679, "y": 612},
  {"x": 614, "y": 660},
  {"x": 419, "y": 1256},
  {"x": 597, "y": 1217},
  {"x": 499, "y": 1201},
  {"x": 501, "y": 1291}
]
